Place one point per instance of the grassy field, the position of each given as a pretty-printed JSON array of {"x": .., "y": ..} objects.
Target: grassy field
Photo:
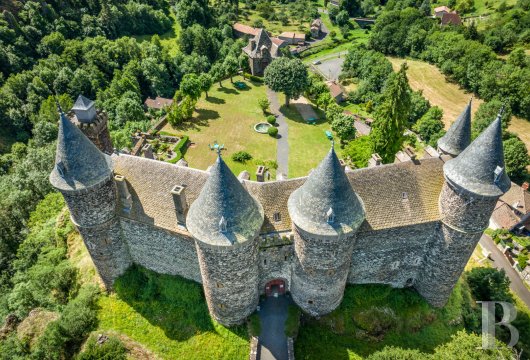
[
  {"x": 308, "y": 144},
  {"x": 168, "y": 315},
  {"x": 228, "y": 116},
  {"x": 481, "y": 7},
  {"x": 374, "y": 316},
  {"x": 449, "y": 96},
  {"x": 249, "y": 16}
]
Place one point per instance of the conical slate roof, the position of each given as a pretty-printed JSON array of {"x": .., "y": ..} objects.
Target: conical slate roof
[
  {"x": 458, "y": 137},
  {"x": 224, "y": 200},
  {"x": 326, "y": 192},
  {"x": 82, "y": 103},
  {"x": 480, "y": 169},
  {"x": 79, "y": 164}
]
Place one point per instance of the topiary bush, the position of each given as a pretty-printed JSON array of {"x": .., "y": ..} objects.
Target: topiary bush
[
  {"x": 241, "y": 156},
  {"x": 271, "y": 119},
  {"x": 273, "y": 131}
]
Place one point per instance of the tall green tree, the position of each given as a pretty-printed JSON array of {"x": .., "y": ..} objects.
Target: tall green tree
[
  {"x": 288, "y": 76},
  {"x": 391, "y": 116},
  {"x": 516, "y": 157},
  {"x": 231, "y": 66},
  {"x": 206, "y": 83},
  {"x": 191, "y": 86}
]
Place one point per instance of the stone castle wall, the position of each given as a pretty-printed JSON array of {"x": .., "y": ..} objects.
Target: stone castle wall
[
  {"x": 391, "y": 256},
  {"x": 160, "y": 250},
  {"x": 275, "y": 263}
]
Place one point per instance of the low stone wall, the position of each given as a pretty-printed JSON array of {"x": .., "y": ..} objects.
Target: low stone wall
[
  {"x": 290, "y": 348},
  {"x": 254, "y": 348}
]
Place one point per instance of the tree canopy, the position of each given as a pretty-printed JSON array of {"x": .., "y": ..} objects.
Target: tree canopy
[{"x": 288, "y": 76}]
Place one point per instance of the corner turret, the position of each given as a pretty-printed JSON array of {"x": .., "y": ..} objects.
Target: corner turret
[
  {"x": 474, "y": 181},
  {"x": 225, "y": 221},
  {"x": 326, "y": 214},
  {"x": 92, "y": 122},
  {"x": 83, "y": 175},
  {"x": 458, "y": 137}
]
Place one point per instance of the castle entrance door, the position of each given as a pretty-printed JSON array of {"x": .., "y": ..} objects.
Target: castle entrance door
[{"x": 275, "y": 287}]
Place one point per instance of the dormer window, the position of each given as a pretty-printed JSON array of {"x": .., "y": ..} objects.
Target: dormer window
[
  {"x": 60, "y": 168},
  {"x": 222, "y": 225},
  {"x": 331, "y": 216},
  {"x": 277, "y": 217},
  {"x": 498, "y": 173}
]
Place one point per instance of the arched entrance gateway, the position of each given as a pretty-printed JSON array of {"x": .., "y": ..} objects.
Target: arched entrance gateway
[{"x": 276, "y": 286}]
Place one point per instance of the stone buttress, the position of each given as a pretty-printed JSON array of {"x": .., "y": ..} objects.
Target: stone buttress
[
  {"x": 83, "y": 174},
  {"x": 474, "y": 180},
  {"x": 326, "y": 214},
  {"x": 225, "y": 221}
]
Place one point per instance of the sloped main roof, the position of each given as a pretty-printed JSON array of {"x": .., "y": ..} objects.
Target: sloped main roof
[
  {"x": 224, "y": 199},
  {"x": 326, "y": 191},
  {"x": 79, "y": 164}
]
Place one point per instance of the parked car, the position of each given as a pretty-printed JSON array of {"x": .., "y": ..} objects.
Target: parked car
[{"x": 317, "y": 62}]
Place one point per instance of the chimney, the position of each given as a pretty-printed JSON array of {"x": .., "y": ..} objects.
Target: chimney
[
  {"x": 342, "y": 164},
  {"x": 123, "y": 193},
  {"x": 375, "y": 160},
  {"x": 181, "y": 206},
  {"x": 252, "y": 44},
  {"x": 410, "y": 152},
  {"x": 525, "y": 186},
  {"x": 260, "y": 173},
  {"x": 148, "y": 151}
]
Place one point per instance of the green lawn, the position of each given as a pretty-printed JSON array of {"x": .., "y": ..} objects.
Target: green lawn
[
  {"x": 308, "y": 144},
  {"x": 275, "y": 27},
  {"x": 374, "y": 316},
  {"x": 228, "y": 116},
  {"x": 168, "y": 315}
]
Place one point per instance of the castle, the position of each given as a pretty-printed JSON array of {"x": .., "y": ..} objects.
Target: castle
[{"x": 409, "y": 224}]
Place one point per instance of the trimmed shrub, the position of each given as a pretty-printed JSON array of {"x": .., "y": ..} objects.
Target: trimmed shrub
[
  {"x": 273, "y": 131},
  {"x": 111, "y": 348},
  {"x": 271, "y": 119},
  {"x": 180, "y": 149},
  {"x": 241, "y": 156}
]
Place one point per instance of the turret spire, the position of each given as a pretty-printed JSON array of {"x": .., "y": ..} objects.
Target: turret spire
[
  {"x": 224, "y": 213},
  {"x": 79, "y": 164},
  {"x": 327, "y": 188},
  {"x": 480, "y": 168},
  {"x": 458, "y": 137}
]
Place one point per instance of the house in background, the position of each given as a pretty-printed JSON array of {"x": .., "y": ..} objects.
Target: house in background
[
  {"x": 292, "y": 38},
  {"x": 157, "y": 103},
  {"x": 316, "y": 28},
  {"x": 451, "y": 19},
  {"x": 336, "y": 91},
  {"x": 441, "y": 10},
  {"x": 241, "y": 30},
  {"x": 512, "y": 211},
  {"x": 261, "y": 50}
]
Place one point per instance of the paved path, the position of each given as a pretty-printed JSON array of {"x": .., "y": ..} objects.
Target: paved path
[
  {"x": 282, "y": 151},
  {"x": 304, "y": 108},
  {"x": 273, "y": 342},
  {"x": 501, "y": 262},
  {"x": 331, "y": 65}
]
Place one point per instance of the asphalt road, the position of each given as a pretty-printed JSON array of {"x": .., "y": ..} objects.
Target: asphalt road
[
  {"x": 273, "y": 341},
  {"x": 501, "y": 262},
  {"x": 331, "y": 65}
]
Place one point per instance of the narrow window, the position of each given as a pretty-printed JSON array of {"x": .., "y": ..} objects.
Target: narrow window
[
  {"x": 264, "y": 261},
  {"x": 310, "y": 302},
  {"x": 277, "y": 217}
]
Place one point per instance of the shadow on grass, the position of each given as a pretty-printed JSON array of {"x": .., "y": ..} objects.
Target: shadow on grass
[
  {"x": 172, "y": 303},
  {"x": 204, "y": 115},
  {"x": 371, "y": 317},
  {"x": 228, "y": 90},
  {"x": 215, "y": 100}
]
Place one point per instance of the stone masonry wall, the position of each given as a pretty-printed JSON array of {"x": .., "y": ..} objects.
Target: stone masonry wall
[
  {"x": 230, "y": 280},
  {"x": 160, "y": 250},
  {"x": 390, "y": 256},
  {"x": 275, "y": 263}
]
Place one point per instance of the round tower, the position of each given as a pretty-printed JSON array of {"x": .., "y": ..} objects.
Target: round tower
[
  {"x": 473, "y": 182},
  {"x": 225, "y": 221},
  {"x": 458, "y": 137},
  {"x": 83, "y": 175},
  {"x": 326, "y": 214}
]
